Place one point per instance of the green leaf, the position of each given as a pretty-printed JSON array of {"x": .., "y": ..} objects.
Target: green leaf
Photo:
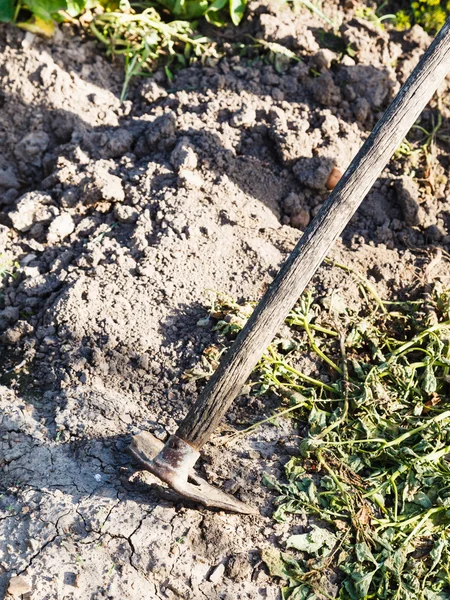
[
  {"x": 168, "y": 73},
  {"x": 317, "y": 541},
  {"x": 302, "y": 592},
  {"x": 356, "y": 463},
  {"x": 237, "y": 8},
  {"x": 216, "y": 6},
  {"x": 317, "y": 420},
  {"x": 422, "y": 500},
  {"x": 287, "y": 345},
  {"x": 429, "y": 380},
  {"x": 308, "y": 486},
  {"x": 338, "y": 304},
  {"x": 275, "y": 563},
  {"x": 396, "y": 561},
  {"x": 349, "y": 587},
  {"x": 431, "y": 595},
  {"x": 39, "y": 26},
  {"x": 271, "y": 482},
  {"x": 186, "y": 9},
  {"x": 294, "y": 468},
  {"x": 44, "y": 9},
  {"x": 363, "y": 553},
  {"x": 215, "y": 18},
  {"x": 282, "y": 565},
  {"x": 362, "y": 581},
  {"x": 75, "y": 7},
  {"x": 6, "y": 11}
]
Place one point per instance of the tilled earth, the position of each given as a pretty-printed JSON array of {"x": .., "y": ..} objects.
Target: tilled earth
[{"x": 119, "y": 220}]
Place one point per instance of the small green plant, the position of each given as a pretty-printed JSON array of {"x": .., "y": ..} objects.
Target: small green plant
[
  {"x": 212, "y": 11},
  {"x": 373, "y": 16},
  {"x": 143, "y": 38},
  {"x": 278, "y": 55},
  {"x": 8, "y": 267},
  {"x": 420, "y": 147},
  {"x": 430, "y": 14},
  {"x": 40, "y": 16}
]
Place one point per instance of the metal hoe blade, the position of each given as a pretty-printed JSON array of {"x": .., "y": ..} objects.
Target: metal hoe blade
[{"x": 173, "y": 463}]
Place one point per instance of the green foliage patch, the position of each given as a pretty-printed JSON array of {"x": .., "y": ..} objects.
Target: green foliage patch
[
  {"x": 373, "y": 471},
  {"x": 149, "y": 32},
  {"x": 430, "y": 14},
  {"x": 216, "y": 11},
  {"x": 141, "y": 32}
]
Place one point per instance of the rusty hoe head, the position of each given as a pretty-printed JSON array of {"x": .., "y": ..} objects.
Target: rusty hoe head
[{"x": 173, "y": 463}]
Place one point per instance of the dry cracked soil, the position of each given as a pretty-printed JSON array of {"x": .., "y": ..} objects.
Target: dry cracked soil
[{"x": 116, "y": 219}]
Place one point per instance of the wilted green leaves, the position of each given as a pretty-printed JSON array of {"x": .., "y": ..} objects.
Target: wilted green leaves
[
  {"x": 144, "y": 37},
  {"x": 373, "y": 471},
  {"x": 382, "y": 480},
  {"x": 137, "y": 31}
]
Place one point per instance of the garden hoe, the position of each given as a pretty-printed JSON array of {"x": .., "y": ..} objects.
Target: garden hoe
[{"x": 174, "y": 461}]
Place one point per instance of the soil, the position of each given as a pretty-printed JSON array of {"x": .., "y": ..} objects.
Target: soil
[{"x": 121, "y": 217}]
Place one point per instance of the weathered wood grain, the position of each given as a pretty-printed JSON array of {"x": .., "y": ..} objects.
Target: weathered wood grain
[{"x": 237, "y": 364}]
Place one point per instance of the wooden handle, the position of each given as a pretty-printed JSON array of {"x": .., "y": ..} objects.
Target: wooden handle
[{"x": 237, "y": 365}]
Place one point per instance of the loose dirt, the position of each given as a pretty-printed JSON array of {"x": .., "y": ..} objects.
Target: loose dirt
[{"x": 123, "y": 218}]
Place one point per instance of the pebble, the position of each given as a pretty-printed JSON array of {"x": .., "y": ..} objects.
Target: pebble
[
  {"x": 238, "y": 567},
  {"x": 333, "y": 178},
  {"x": 102, "y": 186},
  {"x": 119, "y": 143},
  {"x": 31, "y": 148},
  {"x": 14, "y": 334},
  {"x": 8, "y": 179},
  {"x": 184, "y": 156},
  {"x": 4, "y": 231},
  {"x": 8, "y": 315},
  {"x": 32, "y": 543},
  {"x": 60, "y": 228},
  {"x": 217, "y": 574},
  {"x": 322, "y": 60},
  {"x": 27, "y": 259},
  {"x": 253, "y": 454},
  {"x": 125, "y": 213},
  {"x": 18, "y": 587}
]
